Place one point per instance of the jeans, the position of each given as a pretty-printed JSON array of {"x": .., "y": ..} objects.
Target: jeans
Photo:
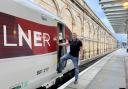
[{"x": 75, "y": 63}]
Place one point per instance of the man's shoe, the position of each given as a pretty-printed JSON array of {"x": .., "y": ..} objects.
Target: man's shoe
[
  {"x": 59, "y": 71},
  {"x": 76, "y": 82}
]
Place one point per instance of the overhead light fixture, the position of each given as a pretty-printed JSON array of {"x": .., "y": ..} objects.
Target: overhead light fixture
[{"x": 125, "y": 5}]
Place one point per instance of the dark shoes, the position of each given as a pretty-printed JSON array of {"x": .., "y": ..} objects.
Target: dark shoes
[
  {"x": 59, "y": 71},
  {"x": 76, "y": 82}
]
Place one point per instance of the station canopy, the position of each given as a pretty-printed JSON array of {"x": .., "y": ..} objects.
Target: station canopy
[{"x": 117, "y": 14}]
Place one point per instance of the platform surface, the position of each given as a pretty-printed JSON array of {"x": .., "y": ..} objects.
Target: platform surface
[{"x": 111, "y": 72}]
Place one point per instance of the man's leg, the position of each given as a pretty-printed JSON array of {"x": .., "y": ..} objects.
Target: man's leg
[
  {"x": 76, "y": 66},
  {"x": 62, "y": 60}
]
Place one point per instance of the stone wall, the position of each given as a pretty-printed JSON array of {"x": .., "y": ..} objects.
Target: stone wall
[{"x": 80, "y": 19}]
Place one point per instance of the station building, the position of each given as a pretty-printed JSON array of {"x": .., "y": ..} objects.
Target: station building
[{"x": 79, "y": 18}]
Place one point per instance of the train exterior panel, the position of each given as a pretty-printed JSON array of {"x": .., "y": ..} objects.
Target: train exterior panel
[{"x": 28, "y": 46}]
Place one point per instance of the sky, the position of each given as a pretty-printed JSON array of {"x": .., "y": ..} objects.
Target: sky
[{"x": 94, "y": 5}]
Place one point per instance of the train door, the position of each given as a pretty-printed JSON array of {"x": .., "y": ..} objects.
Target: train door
[{"x": 61, "y": 39}]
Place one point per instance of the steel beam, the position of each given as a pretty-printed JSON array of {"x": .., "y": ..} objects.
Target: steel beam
[
  {"x": 115, "y": 11},
  {"x": 110, "y": 2},
  {"x": 116, "y": 15}
]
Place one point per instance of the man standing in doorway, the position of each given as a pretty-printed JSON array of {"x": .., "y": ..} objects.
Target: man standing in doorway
[{"x": 75, "y": 47}]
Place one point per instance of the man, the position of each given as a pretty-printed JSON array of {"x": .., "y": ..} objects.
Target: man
[{"x": 75, "y": 47}]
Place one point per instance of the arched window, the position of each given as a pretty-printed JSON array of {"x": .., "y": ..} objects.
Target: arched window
[
  {"x": 86, "y": 29},
  {"x": 49, "y": 5},
  {"x": 78, "y": 26},
  {"x": 67, "y": 18}
]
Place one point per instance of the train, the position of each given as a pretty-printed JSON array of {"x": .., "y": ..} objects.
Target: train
[
  {"x": 29, "y": 37},
  {"x": 28, "y": 45}
]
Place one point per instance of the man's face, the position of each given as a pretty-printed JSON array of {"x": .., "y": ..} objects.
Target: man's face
[{"x": 74, "y": 36}]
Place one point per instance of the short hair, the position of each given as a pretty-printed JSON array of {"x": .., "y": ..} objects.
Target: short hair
[{"x": 74, "y": 33}]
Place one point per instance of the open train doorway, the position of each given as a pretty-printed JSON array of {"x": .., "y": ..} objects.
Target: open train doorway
[{"x": 61, "y": 39}]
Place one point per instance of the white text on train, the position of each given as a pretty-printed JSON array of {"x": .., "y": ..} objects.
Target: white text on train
[{"x": 39, "y": 38}]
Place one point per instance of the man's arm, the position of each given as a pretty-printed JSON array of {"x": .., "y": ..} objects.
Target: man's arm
[
  {"x": 81, "y": 48},
  {"x": 81, "y": 51},
  {"x": 63, "y": 44}
]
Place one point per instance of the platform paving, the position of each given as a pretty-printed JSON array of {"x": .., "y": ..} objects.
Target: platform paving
[{"x": 111, "y": 72}]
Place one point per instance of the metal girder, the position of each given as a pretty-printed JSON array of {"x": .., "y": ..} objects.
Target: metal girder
[
  {"x": 122, "y": 21},
  {"x": 116, "y": 13},
  {"x": 122, "y": 24},
  {"x": 109, "y": 1},
  {"x": 119, "y": 26},
  {"x": 118, "y": 19},
  {"x": 113, "y": 11},
  {"x": 118, "y": 16},
  {"x": 111, "y": 6},
  {"x": 115, "y": 7},
  {"x": 117, "y": 22}
]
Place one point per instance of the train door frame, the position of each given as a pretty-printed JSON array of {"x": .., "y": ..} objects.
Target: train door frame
[{"x": 63, "y": 50}]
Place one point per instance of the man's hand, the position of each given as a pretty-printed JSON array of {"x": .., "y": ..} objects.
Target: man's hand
[{"x": 63, "y": 44}]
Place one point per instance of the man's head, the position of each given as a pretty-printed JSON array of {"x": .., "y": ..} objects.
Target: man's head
[{"x": 74, "y": 36}]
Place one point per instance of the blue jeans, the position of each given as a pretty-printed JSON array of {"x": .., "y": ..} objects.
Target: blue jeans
[{"x": 75, "y": 63}]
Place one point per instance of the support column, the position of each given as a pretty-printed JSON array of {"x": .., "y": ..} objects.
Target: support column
[
  {"x": 127, "y": 31},
  {"x": 127, "y": 37}
]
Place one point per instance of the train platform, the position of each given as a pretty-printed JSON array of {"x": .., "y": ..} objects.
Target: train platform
[{"x": 111, "y": 72}]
